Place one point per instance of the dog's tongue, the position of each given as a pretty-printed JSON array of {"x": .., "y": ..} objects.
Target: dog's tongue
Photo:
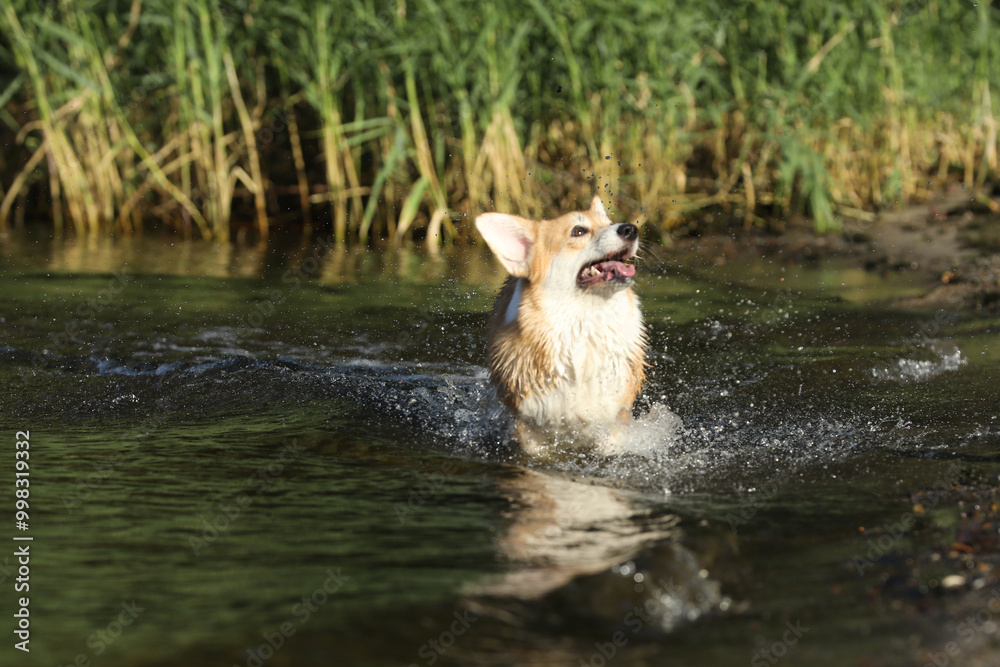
[
  {"x": 608, "y": 270},
  {"x": 611, "y": 267}
]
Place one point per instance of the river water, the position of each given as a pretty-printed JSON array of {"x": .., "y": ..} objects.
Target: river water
[{"x": 290, "y": 456}]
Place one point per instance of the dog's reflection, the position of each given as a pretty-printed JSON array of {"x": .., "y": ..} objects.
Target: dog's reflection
[{"x": 602, "y": 548}]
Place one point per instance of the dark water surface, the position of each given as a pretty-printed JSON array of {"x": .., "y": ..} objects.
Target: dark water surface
[{"x": 289, "y": 456}]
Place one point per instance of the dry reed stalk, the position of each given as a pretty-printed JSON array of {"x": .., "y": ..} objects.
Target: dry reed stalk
[
  {"x": 472, "y": 169},
  {"x": 502, "y": 153},
  {"x": 332, "y": 140},
  {"x": 300, "y": 164},
  {"x": 355, "y": 189},
  {"x": 425, "y": 165},
  {"x": 255, "y": 182},
  {"x": 18, "y": 184}
]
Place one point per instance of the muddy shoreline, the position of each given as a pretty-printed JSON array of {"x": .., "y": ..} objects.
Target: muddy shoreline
[{"x": 951, "y": 242}]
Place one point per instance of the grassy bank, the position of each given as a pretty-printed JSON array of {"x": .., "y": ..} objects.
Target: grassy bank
[{"x": 403, "y": 118}]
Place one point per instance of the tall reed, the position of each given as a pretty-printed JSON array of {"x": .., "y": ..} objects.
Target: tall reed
[{"x": 404, "y": 118}]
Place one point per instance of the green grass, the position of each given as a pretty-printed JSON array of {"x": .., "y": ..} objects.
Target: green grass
[{"x": 405, "y": 119}]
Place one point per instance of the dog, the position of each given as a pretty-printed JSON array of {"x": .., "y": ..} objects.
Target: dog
[{"x": 566, "y": 342}]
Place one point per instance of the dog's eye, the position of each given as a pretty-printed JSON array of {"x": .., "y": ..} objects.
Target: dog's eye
[{"x": 578, "y": 231}]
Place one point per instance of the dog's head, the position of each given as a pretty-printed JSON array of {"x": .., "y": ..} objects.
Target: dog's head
[{"x": 582, "y": 252}]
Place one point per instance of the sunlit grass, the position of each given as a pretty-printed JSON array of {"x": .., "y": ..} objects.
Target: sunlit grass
[{"x": 406, "y": 118}]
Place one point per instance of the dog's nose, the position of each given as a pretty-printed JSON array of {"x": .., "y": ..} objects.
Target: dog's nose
[{"x": 628, "y": 231}]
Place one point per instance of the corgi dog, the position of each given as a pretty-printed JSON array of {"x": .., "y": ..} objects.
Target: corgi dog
[{"x": 566, "y": 340}]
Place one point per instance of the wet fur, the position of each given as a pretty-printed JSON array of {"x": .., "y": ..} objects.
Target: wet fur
[{"x": 568, "y": 361}]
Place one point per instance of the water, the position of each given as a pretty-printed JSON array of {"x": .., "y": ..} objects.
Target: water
[{"x": 290, "y": 456}]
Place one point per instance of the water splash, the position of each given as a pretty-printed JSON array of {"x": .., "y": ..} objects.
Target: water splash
[
  {"x": 723, "y": 444},
  {"x": 947, "y": 357}
]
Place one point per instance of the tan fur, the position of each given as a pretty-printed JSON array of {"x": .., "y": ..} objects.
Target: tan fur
[{"x": 572, "y": 361}]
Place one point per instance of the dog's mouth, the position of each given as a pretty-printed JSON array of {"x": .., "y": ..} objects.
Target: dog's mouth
[{"x": 611, "y": 269}]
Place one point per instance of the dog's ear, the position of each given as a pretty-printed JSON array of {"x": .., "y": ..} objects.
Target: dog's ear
[
  {"x": 597, "y": 208},
  {"x": 511, "y": 239}
]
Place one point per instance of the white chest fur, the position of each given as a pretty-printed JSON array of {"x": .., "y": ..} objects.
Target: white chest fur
[{"x": 594, "y": 342}]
